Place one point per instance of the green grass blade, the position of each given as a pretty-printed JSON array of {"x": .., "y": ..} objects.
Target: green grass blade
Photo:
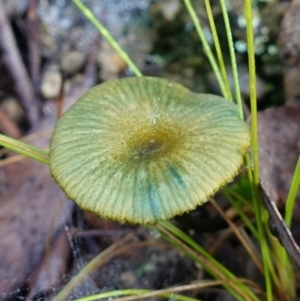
[
  {"x": 287, "y": 275},
  {"x": 105, "y": 33},
  {"x": 235, "y": 289},
  {"x": 135, "y": 292},
  {"x": 206, "y": 46},
  {"x": 218, "y": 49},
  {"x": 232, "y": 58},
  {"x": 230, "y": 194},
  {"x": 24, "y": 149},
  {"x": 254, "y": 135},
  {"x": 203, "y": 264},
  {"x": 252, "y": 84},
  {"x": 290, "y": 202}
]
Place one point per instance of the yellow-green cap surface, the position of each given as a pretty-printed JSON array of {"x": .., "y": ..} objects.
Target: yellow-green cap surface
[{"x": 146, "y": 149}]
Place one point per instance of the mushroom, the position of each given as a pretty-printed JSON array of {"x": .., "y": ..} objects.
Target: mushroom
[{"x": 146, "y": 149}]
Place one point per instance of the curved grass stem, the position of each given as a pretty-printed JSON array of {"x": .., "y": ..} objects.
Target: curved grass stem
[
  {"x": 103, "y": 31},
  {"x": 290, "y": 202},
  {"x": 249, "y": 249},
  {"x": 283, "y": 259},
  {"x": 232, "y": 58},
  {"x": 214, "y": 32},
  {"x": 24, "y": 149},
  {"x": 137, "y": 294},
  {"x": 234, "y": 286},
  {"x": 206, "y": 46},
  {"x": 254, "y": 135}
]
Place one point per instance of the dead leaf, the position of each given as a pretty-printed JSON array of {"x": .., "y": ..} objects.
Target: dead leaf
[
  {"x": 289, "y": 33},
  {"x": 289, "y": 44},
  {"x": 34, "y": 210},
  {"x": 51, "y": 270},
  {"x": 279, "y": 148},
  {"x": 279, "y": 141}
]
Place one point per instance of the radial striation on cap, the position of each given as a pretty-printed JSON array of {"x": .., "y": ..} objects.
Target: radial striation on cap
[{"x": 146, "y": 149}]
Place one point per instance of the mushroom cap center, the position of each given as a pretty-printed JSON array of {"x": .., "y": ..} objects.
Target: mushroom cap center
[{"x": 153, "y": 141}]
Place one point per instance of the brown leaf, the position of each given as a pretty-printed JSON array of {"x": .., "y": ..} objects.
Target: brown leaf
[
  {"x": 289, "y": 44},
  {"x": 33, "y": 209},
  {"x": 33, "y": 212},
  {"x": 290, "y": 32},
  {"x": 8, "y": 127},
  {"x": 51, "y": 270},
  {"x": 279, "y": 148}
]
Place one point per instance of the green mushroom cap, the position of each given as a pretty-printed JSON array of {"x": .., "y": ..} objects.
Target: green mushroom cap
[{"x": 146, "y": 149}]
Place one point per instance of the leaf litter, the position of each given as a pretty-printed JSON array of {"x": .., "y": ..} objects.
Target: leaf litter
[{"x": 279, "y": 148}]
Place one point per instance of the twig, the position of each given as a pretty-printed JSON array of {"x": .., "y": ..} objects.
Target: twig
[
  {"x": 92, "y": 266},
  {"x": 8, "y": 127},
  {"x": 282, "y": 232},
  {"x": 15, "y": 66},
  {"x": 251, "y": 251},
  {"x": 33, "y": 47},
  {"x": 89, "y": 75},
  {"x": 59, "y": 100}
]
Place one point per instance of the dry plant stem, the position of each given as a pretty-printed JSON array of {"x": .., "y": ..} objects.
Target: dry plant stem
[
  {"x": 216, "y": 244},
  {"x": 59, "y": 101},
  {"x": 11, "y": 160},
  {"x": 88, "y": 233},
  {"x": 15, "y": 66},
  {"x": 117, "y": 248},
  {"x": 286, "y": 280},
  {"x": 209, "y": 265},
  {"x": 63, "y": 294},
  {"x": 33, "y": 46},
  {"x": 252, "y": 252},
  {"x": 90, "y": 70},
  {"x": 8, "y": 127}
]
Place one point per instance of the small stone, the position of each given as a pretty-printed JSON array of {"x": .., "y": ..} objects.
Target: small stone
[
  {"x": 15, "y": 7},
  {"x": 170, "y": 8},
  {"x": 128, "y": 278},
  {"x": 110, "y": 63},
  {"x": 71, "y": 62},
  {"x": 292, "y": 86},
  {"x": 11, "y": 108},
  {"x": 51, "y": 83},
  {"x": 289, "y": 35}
]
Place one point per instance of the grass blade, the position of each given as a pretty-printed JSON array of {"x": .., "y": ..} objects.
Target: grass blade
[
  {"x": 290, "y": 202},
  {"x": 232, "y": 59},
  {"x": 206, "y": 46},
  {"x": 24, "y": 149},
  {"x": 259, "y": 212},
  {"x": 237, "y": 289},
  {"x": 103, "y": 31},
  {"x": 218, "y": 49}
]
